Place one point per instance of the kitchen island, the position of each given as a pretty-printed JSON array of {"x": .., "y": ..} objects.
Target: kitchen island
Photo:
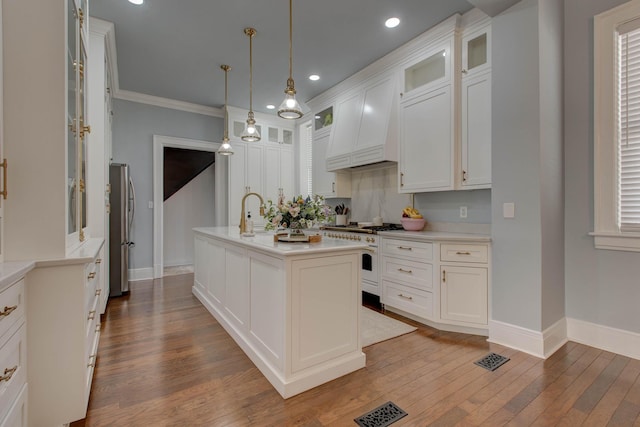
[{"x": 293, "y": 308}]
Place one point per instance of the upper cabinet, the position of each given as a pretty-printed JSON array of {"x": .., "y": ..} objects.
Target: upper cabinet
[
  {"x": 428, "y": 119},
  {"x": 364, "y": 125},
  {"x": 323, "y": 120},
  {"x": 325, "y": 183},
  {"x": 475, "y": 138}
]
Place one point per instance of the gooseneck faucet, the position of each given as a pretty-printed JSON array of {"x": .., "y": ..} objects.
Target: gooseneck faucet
[{"x": 243, "y": 222}]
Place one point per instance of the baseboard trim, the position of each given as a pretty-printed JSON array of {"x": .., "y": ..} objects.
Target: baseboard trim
[
  {"x": 140, "y": 274},
  {"x": 540, "y": 344},
  {"x": 617, "y": 341}
]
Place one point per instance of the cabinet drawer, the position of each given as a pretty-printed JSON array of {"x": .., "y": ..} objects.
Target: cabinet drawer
[
  {"x": 415, "y": 274},
  {"x": 17, "y": 416},
  {"x": 421, "y": 251},
  {"x": 419, "y": 303},
  {"x": 13, "y": 362},
  {"x": 464, "y": 253},
  {"x": 11, "y": 306}
]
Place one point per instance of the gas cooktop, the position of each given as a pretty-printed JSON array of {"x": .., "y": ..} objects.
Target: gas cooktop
[{"x": 371, "y": 229}]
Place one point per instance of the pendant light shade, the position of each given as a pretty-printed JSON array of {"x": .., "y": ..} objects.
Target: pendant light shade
[
  {"x": 225, "y": 149},
  {"x": 250, "y": 132},
  {"x": 290, "y": 108}
]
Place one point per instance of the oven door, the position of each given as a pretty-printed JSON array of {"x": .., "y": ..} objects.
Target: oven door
[{"x": 370, "y": 270}]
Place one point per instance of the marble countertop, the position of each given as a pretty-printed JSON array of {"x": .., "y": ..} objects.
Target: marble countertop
[
  {"x": 437, "y": 236},
  {"x": 263, "y": 241},
  {"x": 11, "y": 271},
  {"x": 82, "y": 255}
]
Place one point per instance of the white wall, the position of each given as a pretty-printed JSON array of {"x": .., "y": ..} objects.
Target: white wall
[
  {"x": 602, "y": 287},
  {"x": 134, "y": 125},
  {"x": 191, "y": 206}
]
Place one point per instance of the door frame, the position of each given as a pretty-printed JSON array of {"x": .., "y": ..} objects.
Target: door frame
[{"x": 219, "y": 197}]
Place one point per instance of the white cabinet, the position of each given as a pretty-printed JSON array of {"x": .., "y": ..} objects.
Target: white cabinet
[
  {"x": 246, "y": 175},
  {"x": 325, "y": 183},
  {"x": 427, "y": 142},
  {"x": 464, "y": 284},
  {"x": 13, "y": 354},
  {"x": 278, "y": 175},
  {"x": 365, "y": 125},
  {"x": 63, "y": 332},
  {"x": 428, "y": 121},
  {"x": 407, "y": 276},
  {"x": 444, "y": 284},
  {"x": 476, "y": 108}
]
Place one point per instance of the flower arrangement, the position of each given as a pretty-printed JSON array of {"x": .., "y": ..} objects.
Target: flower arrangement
[{"x": 296, "y": 213}]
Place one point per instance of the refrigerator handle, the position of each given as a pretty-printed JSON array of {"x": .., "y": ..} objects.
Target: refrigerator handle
[{"x": 133, "y": 203}]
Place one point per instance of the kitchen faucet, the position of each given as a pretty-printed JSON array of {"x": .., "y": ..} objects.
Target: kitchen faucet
[{"x": 243, "y": 222}]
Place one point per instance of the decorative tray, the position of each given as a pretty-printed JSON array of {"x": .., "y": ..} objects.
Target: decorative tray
[{"x": 307, "y": 238}]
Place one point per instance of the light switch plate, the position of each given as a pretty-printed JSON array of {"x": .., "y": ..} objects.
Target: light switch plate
[
  {"x": 508, "y": 210},
  {"x": 150, "y": 204},
  {"x": 463, "y": 211}
]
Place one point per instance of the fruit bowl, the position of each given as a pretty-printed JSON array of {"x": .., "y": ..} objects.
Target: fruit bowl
[{"x": 412, "y": 224}]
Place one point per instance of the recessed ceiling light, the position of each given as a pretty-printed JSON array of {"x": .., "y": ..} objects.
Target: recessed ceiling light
[
  {"x": 314, "y": 77},
  {"x": 138, "y": 2},
  {"x": 392, "y": 22},
  {"x": 271, "y": 107}
]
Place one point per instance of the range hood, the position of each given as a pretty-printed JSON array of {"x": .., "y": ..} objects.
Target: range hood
[{"x": 365, "y": 125}]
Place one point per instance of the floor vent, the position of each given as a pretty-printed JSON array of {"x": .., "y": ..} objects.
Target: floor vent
[
  {"x": 492, "y": 361},
  {"x": 382, "y": 416}
]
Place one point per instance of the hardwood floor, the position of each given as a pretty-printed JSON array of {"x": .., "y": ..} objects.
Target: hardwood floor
[{"x": 165, "y": 361}]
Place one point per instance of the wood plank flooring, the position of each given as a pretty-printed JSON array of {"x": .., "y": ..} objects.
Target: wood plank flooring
[{"x": 164, "y": 361}]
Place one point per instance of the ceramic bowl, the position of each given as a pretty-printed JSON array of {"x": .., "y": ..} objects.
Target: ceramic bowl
[{"x": 412, "y": 224}]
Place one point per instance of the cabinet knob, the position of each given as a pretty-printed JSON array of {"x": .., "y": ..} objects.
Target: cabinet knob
[{"x": 464, "y": 71}]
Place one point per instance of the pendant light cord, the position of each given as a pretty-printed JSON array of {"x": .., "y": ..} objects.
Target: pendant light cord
[
  {"x": 226, "y": 69},
  {"x": 291, "y": 39},
  {"x": 251, "y": 70}
]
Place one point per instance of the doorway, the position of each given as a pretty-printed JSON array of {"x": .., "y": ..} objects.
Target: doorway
[{"x": 220, "y": 190}]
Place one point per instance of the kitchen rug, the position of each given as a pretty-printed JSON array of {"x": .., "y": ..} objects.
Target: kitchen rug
[
  {"x": 376, "y": 327},
  {"x": 382, "y": 416},
  {"x": 492, "y": 361}
]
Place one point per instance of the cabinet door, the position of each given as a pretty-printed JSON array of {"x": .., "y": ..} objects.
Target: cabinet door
[
  {"x": 476, "y": 51},
  {"x": 345, "y": 128},
  {"x": 237, "y": 182},
  {"x": 255, "y": 184},
  {"x": 323, "y": 181},
  {"x": 463, "y": 294},
  {"x": 426, "y": 143},
  {"x": 476, "y": 131},
  {"x": 286, "y": 170},
  {"x": 272, "y": 173}
]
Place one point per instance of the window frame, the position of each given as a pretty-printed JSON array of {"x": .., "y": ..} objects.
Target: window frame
[{"x": 607, "y": 233}]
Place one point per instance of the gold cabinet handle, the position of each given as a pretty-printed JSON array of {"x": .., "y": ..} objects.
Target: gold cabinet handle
[
  {"x": 405, "y": 271},
  {"x": 4, "y": 165},
  {"x": 464, "y": 176},
  {"x": 92, "y": 315},
  {"x": 98, "y": 292},
  {"x": 91, "y": 275},
  {"x": 92, "y": 364},
  {"x": 8, "y": 373},
  {"x": 98, "y": 260},
  {"x": 401, "y": 174},
  {"x": 404, "y": 248},
  {"x": 444, "y": 276},
  {"x": 98, "y": 327},
  {"x": 405, "y": 297},
  {"x": 463, "y": 253},
  {"x": 7, "y": 310}
]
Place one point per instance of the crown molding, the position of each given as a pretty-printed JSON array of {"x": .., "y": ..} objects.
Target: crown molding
[{"x": 172, "y": 104}]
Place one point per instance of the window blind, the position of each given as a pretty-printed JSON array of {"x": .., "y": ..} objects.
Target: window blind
[{"x": 629, "y": 126}]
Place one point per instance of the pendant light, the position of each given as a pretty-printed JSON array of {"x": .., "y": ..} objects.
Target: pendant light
[
  {"x": 225, "y": 149},
  {"x": 250, "y": 132},
  {"x": 290, "y": 108}
]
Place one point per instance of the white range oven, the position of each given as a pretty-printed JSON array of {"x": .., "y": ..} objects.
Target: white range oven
[{"x": 370, "y": 256}]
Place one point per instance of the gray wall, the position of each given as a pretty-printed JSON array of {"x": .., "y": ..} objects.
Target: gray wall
[
  {"x": 601, "y": 286},
  {"x": 133, "y": 128},
  {"x": 444, "y": 206}
]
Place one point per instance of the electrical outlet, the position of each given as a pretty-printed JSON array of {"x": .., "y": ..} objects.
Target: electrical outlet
[
  {"x": 463, "y": 211},
  {"x": 150, "y": 204}
]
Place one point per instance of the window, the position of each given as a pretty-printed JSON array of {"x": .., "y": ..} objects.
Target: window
[{"x": 617, "y": 128}]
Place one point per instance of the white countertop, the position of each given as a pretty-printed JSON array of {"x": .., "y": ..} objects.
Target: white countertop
[
  {"x": 82, "y": 255},
  {"x": 436, "y": 236},
  {"x": 11, "y": 271},
  {"x": 264, "y": 241}
]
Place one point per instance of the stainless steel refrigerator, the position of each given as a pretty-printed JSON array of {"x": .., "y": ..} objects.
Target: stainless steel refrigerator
[{"x": 123, "y": 206}]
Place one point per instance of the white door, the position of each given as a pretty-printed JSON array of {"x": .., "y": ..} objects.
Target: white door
[
  {"x": 464, "y": 294},
  {"x": 323, "y": 181}
]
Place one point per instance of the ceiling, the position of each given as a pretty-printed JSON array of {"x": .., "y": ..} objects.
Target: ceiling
[{"x": 174, "y": 49}]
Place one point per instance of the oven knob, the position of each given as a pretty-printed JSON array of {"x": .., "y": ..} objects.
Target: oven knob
[
  {"x": 370, "y": 239},
  {"x": 359, "y": 238},
  {"x": 353, "y": 237}
]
